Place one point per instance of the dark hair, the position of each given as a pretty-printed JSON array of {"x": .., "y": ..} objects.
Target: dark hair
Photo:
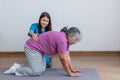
[
  {"x": 48, "y": 27},
  {"x": 64, "y": 29}
]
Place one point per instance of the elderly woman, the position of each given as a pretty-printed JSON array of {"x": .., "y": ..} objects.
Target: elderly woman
[{"x": 51, "y": 42}]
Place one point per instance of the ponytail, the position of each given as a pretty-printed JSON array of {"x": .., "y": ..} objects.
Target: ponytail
[{"x": 64, "y": 30}]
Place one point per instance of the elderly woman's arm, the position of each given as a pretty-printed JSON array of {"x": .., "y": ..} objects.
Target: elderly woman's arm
[
  {"x": 70, "y": 65},
  {"x": 65, "y": 60}
]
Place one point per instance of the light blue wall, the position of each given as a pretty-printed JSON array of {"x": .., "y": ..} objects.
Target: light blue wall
[{"x": 98, "y": 20}]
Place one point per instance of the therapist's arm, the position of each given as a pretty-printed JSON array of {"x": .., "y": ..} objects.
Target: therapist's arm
[{"x": 33, "y": 35}]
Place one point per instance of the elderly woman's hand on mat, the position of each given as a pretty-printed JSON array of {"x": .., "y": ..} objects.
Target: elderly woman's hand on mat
[
  {"x": 74, "y": 71},
  {"x": 75, "y": 74}
]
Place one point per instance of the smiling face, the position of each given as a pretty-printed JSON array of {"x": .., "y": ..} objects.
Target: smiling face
[{"x": 44, "y": 22}]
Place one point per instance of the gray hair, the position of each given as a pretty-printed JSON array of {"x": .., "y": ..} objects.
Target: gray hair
[{"x": 73, "y": 32}]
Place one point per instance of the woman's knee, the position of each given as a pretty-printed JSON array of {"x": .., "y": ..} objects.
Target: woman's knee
[{"x": 38, "y": 72}]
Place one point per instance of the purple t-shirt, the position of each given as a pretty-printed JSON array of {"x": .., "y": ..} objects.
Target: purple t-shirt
[{"x": 51, "y": 42}]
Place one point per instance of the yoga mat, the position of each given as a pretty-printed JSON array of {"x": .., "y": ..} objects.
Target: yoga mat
[{"x": 54, "y": 74}]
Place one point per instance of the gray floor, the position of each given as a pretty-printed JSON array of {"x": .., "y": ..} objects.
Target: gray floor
[{"x": 55, "y": 74}]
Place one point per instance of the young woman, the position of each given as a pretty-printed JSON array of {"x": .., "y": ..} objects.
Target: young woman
[
  {"x": 52, "y": 43},
  {"x": 42, "y": 26}
]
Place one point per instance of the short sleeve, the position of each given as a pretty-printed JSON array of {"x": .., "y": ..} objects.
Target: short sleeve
[
  {"x": 62, "y": 46},
  {"x": 33, "y": 27}
]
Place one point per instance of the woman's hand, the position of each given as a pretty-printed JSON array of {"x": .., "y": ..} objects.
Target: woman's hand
[
  {"x": 74, "y": 71},
  {"x": 75, "y": 74},
  {"x": 35, "y": 37}
]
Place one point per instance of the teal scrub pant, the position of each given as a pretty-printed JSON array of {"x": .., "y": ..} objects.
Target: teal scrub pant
[{"x": 48, "y": 59}]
